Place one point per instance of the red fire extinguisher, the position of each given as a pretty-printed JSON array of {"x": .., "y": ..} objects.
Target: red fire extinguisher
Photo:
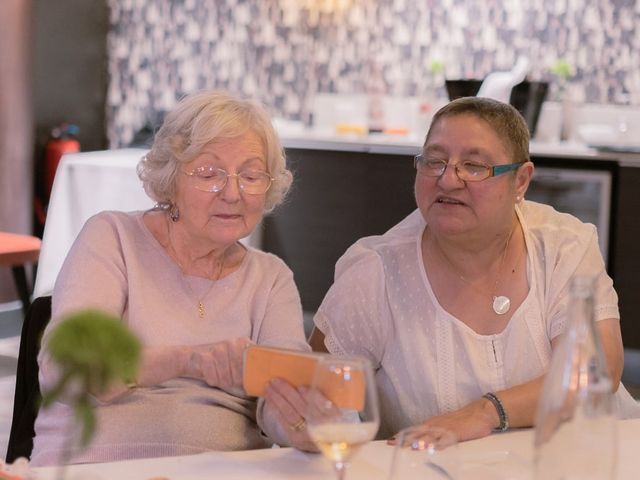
[{"x": 63, "y": 140}]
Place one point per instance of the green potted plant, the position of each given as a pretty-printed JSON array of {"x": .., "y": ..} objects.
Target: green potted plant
[{"x": 93, "y": 351}]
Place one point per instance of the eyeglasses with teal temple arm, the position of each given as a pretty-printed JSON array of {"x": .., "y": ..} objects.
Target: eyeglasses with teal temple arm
[{"x": 467, "y": 171}]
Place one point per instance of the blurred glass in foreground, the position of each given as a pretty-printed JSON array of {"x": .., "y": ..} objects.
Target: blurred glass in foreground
[
  {"x": 575, "y": 432},
  {"x": 425, "y": 453},
  {"x": 342, "y": 413}
]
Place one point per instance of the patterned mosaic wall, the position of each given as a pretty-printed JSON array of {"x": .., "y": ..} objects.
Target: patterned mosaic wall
[{"x": 283, "y": 51}]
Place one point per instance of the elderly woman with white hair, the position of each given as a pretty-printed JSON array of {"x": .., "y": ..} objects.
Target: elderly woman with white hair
[{"x": 179, "y": 277}]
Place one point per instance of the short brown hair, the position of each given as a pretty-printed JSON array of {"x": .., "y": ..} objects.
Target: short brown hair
[{"x": 503, "y": 118}]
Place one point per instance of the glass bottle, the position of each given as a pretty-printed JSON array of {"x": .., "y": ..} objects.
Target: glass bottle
[
  {"x": 375, "y": 98},
  {"x": 575, "y": 432}
]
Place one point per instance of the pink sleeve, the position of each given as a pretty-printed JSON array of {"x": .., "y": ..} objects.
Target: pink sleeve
[
  {"x": 93, "y": 276},
  {"x": 282, "y": 324}
]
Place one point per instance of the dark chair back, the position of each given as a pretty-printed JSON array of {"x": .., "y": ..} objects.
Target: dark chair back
[{"x": 27, "y": 397}]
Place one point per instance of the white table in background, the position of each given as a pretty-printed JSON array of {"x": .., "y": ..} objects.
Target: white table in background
[
  {"x": 504, "y": 456},
  {"x": 86, "y": 183}
]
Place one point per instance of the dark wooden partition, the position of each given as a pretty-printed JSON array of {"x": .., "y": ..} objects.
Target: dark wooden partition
[{"x": 337, "y": 198}]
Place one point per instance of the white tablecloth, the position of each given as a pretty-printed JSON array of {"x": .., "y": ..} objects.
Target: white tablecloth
[
  {"x": 85, "y": 184},
  {"x": 504, "y": 456}
]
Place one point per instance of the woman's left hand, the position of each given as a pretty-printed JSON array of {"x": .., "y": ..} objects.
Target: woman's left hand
[
  {"x": 476, "y": 420},
  {"x": 288, "y": 405}
]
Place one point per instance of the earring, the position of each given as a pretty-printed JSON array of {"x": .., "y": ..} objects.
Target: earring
[{"x": 174, "y": 213}]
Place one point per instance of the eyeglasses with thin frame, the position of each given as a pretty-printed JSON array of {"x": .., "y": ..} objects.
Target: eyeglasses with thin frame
[
  {"x": 213, "y": 179},
  {"x": 467, "y": 171}
]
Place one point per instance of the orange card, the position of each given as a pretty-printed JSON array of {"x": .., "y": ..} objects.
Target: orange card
[{"x": 263, "y": 364}]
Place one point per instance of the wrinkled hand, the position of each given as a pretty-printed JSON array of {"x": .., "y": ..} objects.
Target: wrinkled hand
[
  {"x": 218, "y": 364},
  {"x": 288, "y": 405},
  {"x": 476, "y": 420}
]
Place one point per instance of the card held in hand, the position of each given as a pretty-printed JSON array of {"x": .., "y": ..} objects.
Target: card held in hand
[{"x": 263, "y": 364}]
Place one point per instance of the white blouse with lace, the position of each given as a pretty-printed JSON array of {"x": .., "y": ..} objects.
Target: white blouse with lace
[{"x": 428, "y": 362}]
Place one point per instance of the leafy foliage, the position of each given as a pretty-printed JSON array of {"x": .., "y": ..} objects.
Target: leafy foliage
[{"x": 93, "y": 350}]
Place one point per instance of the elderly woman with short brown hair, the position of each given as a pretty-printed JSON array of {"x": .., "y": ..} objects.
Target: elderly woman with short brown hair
[
  {"x": 460, "y": 306},
  {"x": 180, "y": 278}
]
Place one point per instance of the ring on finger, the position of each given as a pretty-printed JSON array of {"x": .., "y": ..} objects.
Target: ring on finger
[{"x": 299, "y": 425}]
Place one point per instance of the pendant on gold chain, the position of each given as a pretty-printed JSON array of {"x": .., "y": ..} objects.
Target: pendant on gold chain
[
  {"x": 201, "y": 309},
  {"x": 501, "y": 304}
]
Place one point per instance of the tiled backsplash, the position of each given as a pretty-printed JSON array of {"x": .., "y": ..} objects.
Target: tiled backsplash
[{"x": 285, "y": 51}]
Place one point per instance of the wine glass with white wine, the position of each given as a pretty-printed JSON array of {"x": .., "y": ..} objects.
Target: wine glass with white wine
[{"x": 342, "y": 412}]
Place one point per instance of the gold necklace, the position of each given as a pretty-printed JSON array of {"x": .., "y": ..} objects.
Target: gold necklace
[
  {"x": 500, "y": 303},
  {"x": 201, "y": 310}
]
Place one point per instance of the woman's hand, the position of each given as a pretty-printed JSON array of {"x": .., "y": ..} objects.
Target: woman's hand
[
  {"x": 218, "y": 364},
  {"x": 476, "y": 420},
  {"x": 287, "y": 405}
]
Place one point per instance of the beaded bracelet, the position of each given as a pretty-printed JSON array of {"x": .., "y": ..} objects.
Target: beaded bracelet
[{"x": 502, "y": 413}]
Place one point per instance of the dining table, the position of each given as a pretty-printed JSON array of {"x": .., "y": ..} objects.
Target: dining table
[{"x": 500, "y": 456}]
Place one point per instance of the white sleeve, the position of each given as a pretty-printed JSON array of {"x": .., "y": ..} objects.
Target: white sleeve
[
  {"x": 354, "y": 316},
  {"x": 590, "y": 264}
]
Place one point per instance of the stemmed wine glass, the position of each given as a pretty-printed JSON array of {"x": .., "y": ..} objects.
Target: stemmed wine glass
[{"x": 342, "y": 412}]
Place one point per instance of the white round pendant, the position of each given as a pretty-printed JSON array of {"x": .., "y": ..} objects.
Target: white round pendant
[{"x": 501, "y": 304}]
